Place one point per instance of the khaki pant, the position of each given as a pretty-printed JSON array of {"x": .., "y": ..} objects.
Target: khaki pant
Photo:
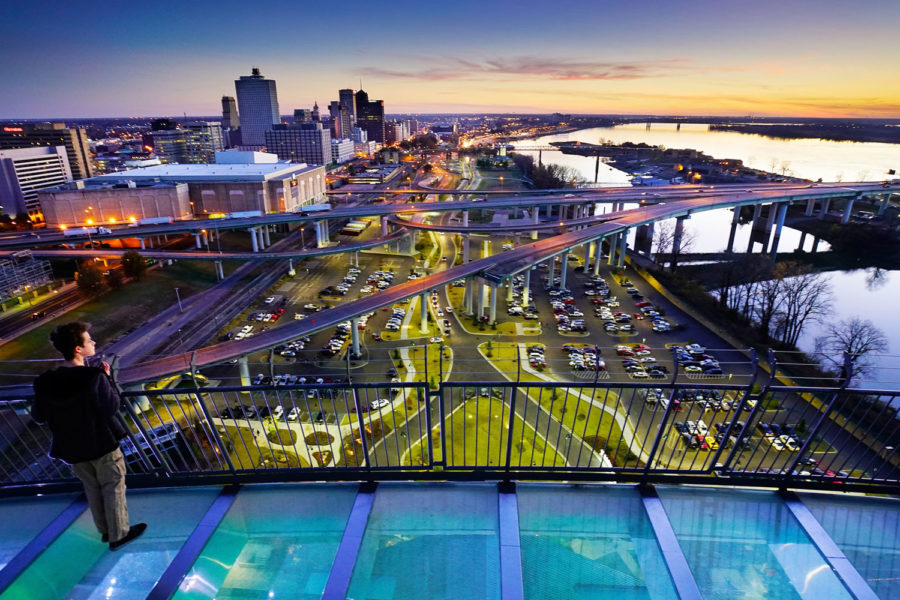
[{"x": 104, "y": 485}]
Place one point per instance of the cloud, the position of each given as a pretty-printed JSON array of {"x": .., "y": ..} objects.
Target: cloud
[{"x": 554, "y": 69}]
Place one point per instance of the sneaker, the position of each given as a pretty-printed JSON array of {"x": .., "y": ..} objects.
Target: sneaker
[{"x": 133, "y": 533}]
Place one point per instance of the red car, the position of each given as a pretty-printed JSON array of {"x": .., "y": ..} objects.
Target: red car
[
  {"x": 643, "y": 303},
  {"x": 637, "y": 316},
  {"x": 641, "y": 348},
  {"x": 624, "y": 352}
]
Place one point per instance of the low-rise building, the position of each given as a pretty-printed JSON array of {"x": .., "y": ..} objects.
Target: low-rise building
[
  {"x": 238, "y": 181},
  {"x": 342, "y": 151},
  {"x": 100, "y": 201}
]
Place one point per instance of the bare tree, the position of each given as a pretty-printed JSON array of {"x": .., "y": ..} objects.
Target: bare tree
[
  {"x": 738, "y": 280},
  {"x": 767, "y": 303},
  {"x": 805, "y": 294},
  {"x": 858, "y": 337},
  {"x": 664, "y": 241}
]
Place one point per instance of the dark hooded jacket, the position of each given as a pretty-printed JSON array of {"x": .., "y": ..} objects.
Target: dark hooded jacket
[{"x": 81, "y": 407}]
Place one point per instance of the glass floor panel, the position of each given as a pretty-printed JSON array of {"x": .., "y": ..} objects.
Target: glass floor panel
[
  {"x": 276, "y": 541},
  {"x": 24, "y": 518},
  {"x": 746, "y": 544},
  {"x": 591, "y": 542},
  {"x": 430, "y": 541},
  {"x": 78, "y": 565},
  {"x": 867, "y": 530}
]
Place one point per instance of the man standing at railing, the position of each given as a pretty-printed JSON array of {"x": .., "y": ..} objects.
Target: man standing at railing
[{"x": 81, "y": 406}]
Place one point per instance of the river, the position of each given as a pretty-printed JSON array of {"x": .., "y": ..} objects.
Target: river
[{"x": 856, "y": 293}]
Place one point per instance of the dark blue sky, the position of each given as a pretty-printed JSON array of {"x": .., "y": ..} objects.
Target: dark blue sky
[{"x": 765, "y": 57}]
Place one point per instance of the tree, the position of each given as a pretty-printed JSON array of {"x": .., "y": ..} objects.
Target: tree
[
  {"x": 133, "y": 264},
  {"x": 90, "y": 279},
  {"x": 805, "y": 294},
  {"x": 858, "y": 337},
  {"x": 664, "y": 239},
  {"x": 115, "y": 279}
]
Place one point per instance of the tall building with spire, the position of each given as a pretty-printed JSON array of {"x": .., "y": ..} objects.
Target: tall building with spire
[
  {"x": 315, "y": 112},
  {"x": 258, "y": 105}
]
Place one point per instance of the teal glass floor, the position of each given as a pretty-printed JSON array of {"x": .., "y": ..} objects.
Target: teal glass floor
[
  {"x": 430, "y": 541},
  {"x": 23, "y": 518},
  {"x": 78, "y": 565},
  {"x": 747, "y": 544},
  {"x": 443, "y": 541},
  {"x": 867, "y": 530},
  {"x": 589, "y": 542},
  {"x": 276, "y": 541}
]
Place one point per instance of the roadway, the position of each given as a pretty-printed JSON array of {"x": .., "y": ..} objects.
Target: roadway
[
  {"x": 496, "y": 267},
  {"x": 607, "y": 195}
]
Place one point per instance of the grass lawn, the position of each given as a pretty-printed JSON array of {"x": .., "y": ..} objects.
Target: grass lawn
[
  {"x": 115, "y": 312},
  {"x": 478, "y": 433},
  {"x": 588, "y": 422}
]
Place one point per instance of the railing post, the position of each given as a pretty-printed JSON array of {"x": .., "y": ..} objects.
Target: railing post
[
  {"x": 739, "y": 440},
  {"x": 206, "y": 415},
  {"x": 513, "y": 392},
  {"x": 823, "y": 416},
  {"x": 738, "y": 406},
  {"x": 662, "y": 427},
  {"x": 361, "y": 428}
]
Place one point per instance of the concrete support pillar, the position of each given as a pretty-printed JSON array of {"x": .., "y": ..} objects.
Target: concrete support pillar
[
  {"x": 493, "y": 291},
  {"x": 354, "y": 336},
  {"x": 826, "y": 204},
  {"x": 244, "y": 369},
  {"x": 253, "y": 241},
  {"x": 734, "y": 223},
  {"x": 598, "y": 253},
  {"x": 206, "y": 238},
  {"x": 810, "y": 207},
  {"x": 757, "y": 211},
  {"x": 384, "y": 226},
  {"x": 779, "y": 224},
  {"x": 552, "y": 274},
  {"x": 848, "y": 209},
  {"x": 465, "y": 244},
  {"x": 802, "y": 240},
  {"x": 613, "y": 245},
  {"x": 479, "y": 299},
  {"x": 423, "y": 312},
  {"x": 219, "y": 271},
  {"x": 623, "y": 246},
  {"x": 486, "y": 248},
  {"x": 468, "y": 304},
  {"x": 291, "y": 266},
  {"x": 587, "y": 254},
  {"x": 773, "y": 210},
  {"x": 465, "y": 218},
  {"x": 535, "y": 219},
  {"x": 141, "y": 240},
  {"x": 815, "y": 245},
  {"x": 526, "y": 289},
  {"x": 509, "y": 289},
  {"x": 197, "y": 240},
  {"x": 564, "y": 270},
  {"x": 266, "y": 237},
  {"x": 884, "y": 203}
]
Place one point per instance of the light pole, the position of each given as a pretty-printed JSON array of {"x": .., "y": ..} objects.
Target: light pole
[{"x": 177, "y": 295}]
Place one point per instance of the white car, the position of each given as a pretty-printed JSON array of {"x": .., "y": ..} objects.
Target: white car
[
  {"x": 380, "y": 403},
  {"x": 439, "y": 312},
  {"x": 277, "y": 412},
  {"x": 448, "y": 309},
  {"x": 436, "y": 340},
  {"x": 294, "y": 414},
  {"x": 270, "y": 300}
]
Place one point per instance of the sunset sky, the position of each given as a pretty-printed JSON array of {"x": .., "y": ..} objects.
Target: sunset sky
[{"x": 799, "y": 58}]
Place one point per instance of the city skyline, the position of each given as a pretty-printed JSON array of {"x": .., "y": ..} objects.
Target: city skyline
[{"x": 822, "y": 59}]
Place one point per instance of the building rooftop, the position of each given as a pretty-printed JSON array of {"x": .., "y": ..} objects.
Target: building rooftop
[{"x": 211, "y": 172}]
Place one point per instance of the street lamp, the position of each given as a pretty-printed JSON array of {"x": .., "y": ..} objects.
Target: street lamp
[{"x": 180, "y": 308}]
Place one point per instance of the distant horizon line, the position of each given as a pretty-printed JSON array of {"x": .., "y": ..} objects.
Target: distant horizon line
[{"x": 485, "y": 114}]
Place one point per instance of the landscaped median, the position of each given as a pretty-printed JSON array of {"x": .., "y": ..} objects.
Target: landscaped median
[
  {"x": 588, "y": 417},
  {"x": 455, "y": 296}
]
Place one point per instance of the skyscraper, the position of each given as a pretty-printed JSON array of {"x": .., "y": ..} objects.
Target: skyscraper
[
  {"x": 306, "y": 142},
  {"x": 348, "y": 114},
  {"x": 24, "y": 171},
  {"x": 229, "y": 113},
  {"x": 194, "y": 142},
  {"x": 370, "y": 116},
  {"x": 34, "y": 135},
  {"x": 258, "y": 107}
]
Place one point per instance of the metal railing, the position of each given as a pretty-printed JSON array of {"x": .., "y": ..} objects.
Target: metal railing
[{"x": 744, "y": 433}]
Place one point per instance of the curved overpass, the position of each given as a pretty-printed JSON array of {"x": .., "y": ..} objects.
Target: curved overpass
[
  {"x": 195, "y": 226},
  {"x": 496, "y": 268}
]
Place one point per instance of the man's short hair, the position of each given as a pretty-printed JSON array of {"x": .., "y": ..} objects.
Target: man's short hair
[{"x": 65, "y": 337}]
